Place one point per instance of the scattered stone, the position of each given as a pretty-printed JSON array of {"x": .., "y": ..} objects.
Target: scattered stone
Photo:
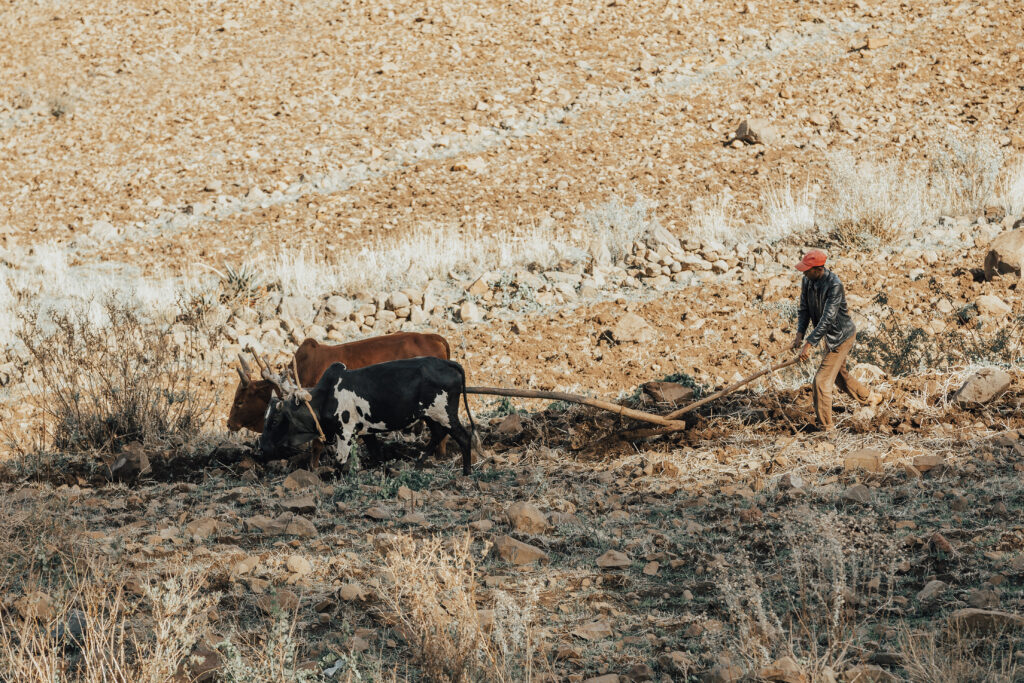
[
  {"x": 35, "y": 605},
  {"x": 296, "y": 306},
  {"x": 973, "y": 619},
  {"x": 517, "y": 552},
  {"x": 397, "y": 300},
  {"x": 925, "y": 463},
  {"x": 868, "y": 459},
  {"x": 201, "y": 528},
  {"x": 482, "y": 525},
  {"x": 941, "y": 545},
  {"x": 651, "y": 568},
  {"x": 132, "y": 464},
  {"x": 791, "y": 481},
  {"x": 607, "y": 678},
  {"x": 303, "y": 504},
  {"x": 510, "y": 425},
  {"x": 931, "y": 591},
  {"x": 724, "y": 671},
  {"x": 633, "y": 328},
  {"x": 351, "y": 592},
  {"x": 857, "y": 494},
  {"x": 469, "y": 312},
  {"x": 992, "y": 306},
  {"x": 868, "y": 673},
  {"x": 526, "y": 518},
  {"x": 413, "y": 518},
  {"x": 878, "y": 42},
  {"x": 640, "y": 672},
  {"x": 283, "y": 600},
  {"x": 613, "y": 559},
  {"x": 377, "y": 512},
  {"x": 755, "y": 131},
  {"x": 676, "y": 662},
  {"x": 672, "y": 393},
  {"x": 302, "y": 479},
  {"x": 983, "y": 386},
  {"x": 784, "y": 670},
  {"x": 1005, "y": 254},
  {"x": 983, "y": 598},
  {"x": 868, "y": 373},
  {"x": 479, "y": 287},
  {"x": 297, "y": 564},
  {"x": 201, "y": 666},
  {"x": 285, "y": 524},
  {"x": 595, "y": 630}
]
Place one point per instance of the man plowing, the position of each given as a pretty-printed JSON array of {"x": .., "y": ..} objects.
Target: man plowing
[{"x": 823, "y": 304}]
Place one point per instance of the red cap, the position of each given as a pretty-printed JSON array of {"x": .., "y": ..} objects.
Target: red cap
[{"x": 812, "y": 259}]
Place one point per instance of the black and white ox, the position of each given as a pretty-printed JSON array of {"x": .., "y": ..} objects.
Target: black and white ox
[{"x": 380, "y": 398}]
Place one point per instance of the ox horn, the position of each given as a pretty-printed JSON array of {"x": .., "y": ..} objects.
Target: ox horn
[
  {"x": 245, "y": 366},
  {"x": 268, "y": 375},
  {"x": 242, "y": 376}
]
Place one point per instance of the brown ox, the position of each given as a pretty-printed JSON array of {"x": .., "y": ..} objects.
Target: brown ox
[{"x": 312, "y": 358}]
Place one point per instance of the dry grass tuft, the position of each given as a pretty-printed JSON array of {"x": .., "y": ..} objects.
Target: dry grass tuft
[
  {"x": 939, "y": 656},
  {"x": 871, "y": 202},
  {"x": 432, "y": 604},
  {"x": 964, "y": 174},
  {"x": 87, "y": 629}
]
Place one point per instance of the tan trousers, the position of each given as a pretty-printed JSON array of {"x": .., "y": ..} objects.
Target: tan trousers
[{"x": 833, "y": 370}]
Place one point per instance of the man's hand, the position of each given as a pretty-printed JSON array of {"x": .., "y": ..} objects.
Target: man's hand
[
  {"x": 805, "y": 352},
  {"x": 796, "y": 343}
]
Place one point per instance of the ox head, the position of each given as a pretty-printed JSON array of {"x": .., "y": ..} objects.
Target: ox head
[
  {"x": 288, "y": 421},
  {"x": 287, "y": 427},
  {"x": 252, "y": 395}
]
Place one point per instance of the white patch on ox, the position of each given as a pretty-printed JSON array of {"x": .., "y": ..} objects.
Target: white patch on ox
[
  {"x": 438, "y": 410},
  {"x": 342, "y": 449},
  {"x": 349, "y": 401}
]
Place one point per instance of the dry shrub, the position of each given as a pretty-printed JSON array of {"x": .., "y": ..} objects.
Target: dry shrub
[
  {"x": 871, "y": 202},
  {"x": 802, "y": 612},
  {"x": 276, "y": 660},
  {"x": 899, "y": 347},
  {"x": 944, "y": 655},
  {"x": 433, "y": 606},
  {"x": 1011, "y": 187},
  {"x": 96, "y": 633},
  {"x": 102, "y": 376}
]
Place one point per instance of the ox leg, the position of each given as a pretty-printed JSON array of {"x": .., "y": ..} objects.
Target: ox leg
[
  {"x": 373, "y": 449},
  {"x": 315, "y": 452},
  {"x": 461, "y": 436},
  {"x": 438, "y": 435}
]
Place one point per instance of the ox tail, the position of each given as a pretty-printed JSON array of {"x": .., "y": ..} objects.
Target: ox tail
[
  {"x": 474, "y": 441},
  {"x": 448, "y": 353}
]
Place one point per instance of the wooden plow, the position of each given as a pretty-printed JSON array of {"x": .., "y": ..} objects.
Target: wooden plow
[{"x": 667, "y": 424}]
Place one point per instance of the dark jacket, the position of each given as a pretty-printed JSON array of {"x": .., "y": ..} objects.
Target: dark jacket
[{"x": 823, "y": 303}]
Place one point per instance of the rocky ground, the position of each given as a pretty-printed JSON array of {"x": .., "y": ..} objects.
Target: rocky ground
[{"x": 193, "y": 145}]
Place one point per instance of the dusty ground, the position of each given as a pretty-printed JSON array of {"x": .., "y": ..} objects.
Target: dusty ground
[{"x": 156, "y": 136}]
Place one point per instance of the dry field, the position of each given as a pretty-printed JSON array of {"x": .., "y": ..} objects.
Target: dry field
[{"x": 580, "y": 196}]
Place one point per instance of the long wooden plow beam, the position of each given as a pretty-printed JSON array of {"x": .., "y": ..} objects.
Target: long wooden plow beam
[
  {"x": 731, "y": 388},
  {"x": 573, "y": 398}
]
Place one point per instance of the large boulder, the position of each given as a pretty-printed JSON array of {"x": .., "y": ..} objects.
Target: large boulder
[
  {"x": 633, "y": 328},
  {"x": 983, "y": 386},
  {"x": 527, "y": 518},
  {"x": 754, "y": 131},
  {"x": 1005, "y": 254},
  {"x": 992, "y": 306}
]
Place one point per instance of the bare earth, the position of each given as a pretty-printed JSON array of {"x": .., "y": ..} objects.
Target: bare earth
[{"x": 158, "y": 139}]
